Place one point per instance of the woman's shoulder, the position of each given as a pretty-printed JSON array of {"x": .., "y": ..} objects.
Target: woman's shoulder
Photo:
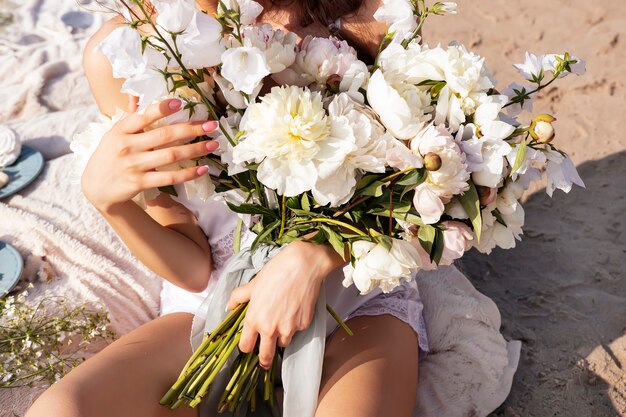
[{"x": 105, "y": 88}]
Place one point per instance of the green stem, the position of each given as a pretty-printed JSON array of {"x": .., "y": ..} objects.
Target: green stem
[
  {"x": 530, "y": 93},
  {"x": 335, "y": 222},
  {"x": 238, "y": 231},
  {"x": 283, "y": 217},
  {"x": 338, "y": 319}
]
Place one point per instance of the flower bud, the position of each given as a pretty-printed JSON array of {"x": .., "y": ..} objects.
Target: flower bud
[
  {"x": 333, "y": 82},
  {"x": 486, "y": 195},
  {"x": 432, "y": 161},
  {"x": 542, "y": 129}
]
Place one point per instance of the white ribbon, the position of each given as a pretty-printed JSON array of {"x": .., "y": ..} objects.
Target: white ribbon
[{"x": 303, "y": 358}]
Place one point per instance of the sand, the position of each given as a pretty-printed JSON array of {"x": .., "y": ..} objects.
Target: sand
[{"x": 562, "y": 291}]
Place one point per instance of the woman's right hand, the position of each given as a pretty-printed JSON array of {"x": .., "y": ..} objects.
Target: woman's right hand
[{"x": 125, "y": 162}]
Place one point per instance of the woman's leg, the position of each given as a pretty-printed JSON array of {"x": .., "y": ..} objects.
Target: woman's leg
[
  {"x": 371, "y": 374},
  {"x": 126, "y": 379}
]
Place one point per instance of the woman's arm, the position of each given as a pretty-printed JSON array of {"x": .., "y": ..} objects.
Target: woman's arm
[
  {"x": 165, "y": 237},
  {"x": 282, "y": 296}
]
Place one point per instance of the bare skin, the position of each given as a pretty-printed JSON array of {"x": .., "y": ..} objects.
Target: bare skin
[{"x": 373, "y": 373}]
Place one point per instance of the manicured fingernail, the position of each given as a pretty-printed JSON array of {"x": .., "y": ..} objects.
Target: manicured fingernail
[
  {"x": 175, "y": 104},
  {"x": 209, "y": 126},
  {"x": 202, "y": 170},
  {"x": 212, "y": 145}
]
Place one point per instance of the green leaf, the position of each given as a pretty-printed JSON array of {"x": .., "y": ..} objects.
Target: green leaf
[
  {"x": 426, "y": 236},
  {"x": 252, "y": 209},
  {"x": 437, "y": 250},
  {"x": 288, "y": 237},
  {"x": 437, "y": 89},
  {"x": 496, "y": 213},
  {"x": 366, "y": 180},
  {"x": 294, "y": 203},
  {"x": 407, "y": 189},
  {"x": 335, "y": 240},
  {"x": 521, "y": 155},
  {"x": 407, "y": 217},
  {"x": 413, "y": 178},
  {"x": 306, "y": 204},
  {"x": 471, "y": 203},
  {"x": 262, "y": 237},
  {"x": 169, "y": 189},
  {"x": 375, "y": 189},
  {"x": 304, "y": 213},
  {"x": 319, "y": 238},
  {"x": 384, "y": 241}
]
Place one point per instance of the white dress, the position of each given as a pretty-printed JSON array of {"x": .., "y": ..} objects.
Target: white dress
[{"x": 218, "y": 223}]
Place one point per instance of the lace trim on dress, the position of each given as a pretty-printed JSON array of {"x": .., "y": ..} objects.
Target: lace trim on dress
[
  {"x": 404, "y": 304},
  {"x": 222, "y": 250}
]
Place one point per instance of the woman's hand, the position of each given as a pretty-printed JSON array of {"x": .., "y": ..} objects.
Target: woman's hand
[
  {"x": 282, "y": 297},
  {"x": 125, "y": 162}
]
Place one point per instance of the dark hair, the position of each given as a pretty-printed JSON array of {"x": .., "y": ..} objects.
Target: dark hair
[{"x": 324, "y": 12}]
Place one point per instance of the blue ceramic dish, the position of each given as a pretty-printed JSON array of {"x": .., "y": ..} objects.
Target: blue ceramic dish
[
  {"x": 23, "y": 171},
  {"x": 11, "y": 267}
]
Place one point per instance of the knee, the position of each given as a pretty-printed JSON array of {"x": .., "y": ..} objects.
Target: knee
[{"x": 60, "y": 400}]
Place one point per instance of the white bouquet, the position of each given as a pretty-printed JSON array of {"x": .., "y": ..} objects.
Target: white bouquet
[{"x": 400, "y": 165}]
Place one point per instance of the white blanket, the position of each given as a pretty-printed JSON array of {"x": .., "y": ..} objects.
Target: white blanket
[{"x": 44, "y": 97}]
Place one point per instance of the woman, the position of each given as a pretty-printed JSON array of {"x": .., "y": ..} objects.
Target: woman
[{"x": 129, "y": 377}]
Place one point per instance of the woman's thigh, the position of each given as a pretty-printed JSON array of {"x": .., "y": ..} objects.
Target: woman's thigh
[
  {"x": 371, "y": 374},
  {"x": 127, "y": 378}
]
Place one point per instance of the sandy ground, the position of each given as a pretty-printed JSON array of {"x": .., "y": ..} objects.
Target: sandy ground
[{"x": 562, "y": 291}]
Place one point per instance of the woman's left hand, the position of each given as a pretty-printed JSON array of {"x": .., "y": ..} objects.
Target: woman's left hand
[{"x": 282, "y": 297}]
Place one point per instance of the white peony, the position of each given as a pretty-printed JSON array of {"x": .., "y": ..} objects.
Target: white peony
[
  {"x": 457, "y": 239},
  {"x": 449, "y": 180},
  {"x": 355, "y": 80},
  {"x": 368, "y": 150},
  {"x": 151, "y": 85},
  {"x": 249, "y": 10},
  {"x": 201, "y": 45},
  {"x": 401, "y": 157},
  {"x": 393, "y": 90},
  {"x": 122, "y": 47},
  {"x": 278, "y": 47},
  {"x": 174, "y": 15},
  {"x": 467, "y": 82},
  {"x": 319, "y": 58},
  {"x": 201, "y": 188},
  {"x": 375, "y": 266},
  {"x": 532, "y": 68},
  {"x": 245, "y": 67},
  {"x": 510, "y": 208},
  {"x": 400, "y": 16},
  {"x": 403, "y": 108},
  {"x": 10, "y": 146},
  {"x": 225, "y": 151},
  {"x": 289, "y": 134},
  {"x": 577, "y": 65},
  {"x": 486, "y": 154},
  {"x": 233, "y": 97},
  {"x": 561, "y": 173}
]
